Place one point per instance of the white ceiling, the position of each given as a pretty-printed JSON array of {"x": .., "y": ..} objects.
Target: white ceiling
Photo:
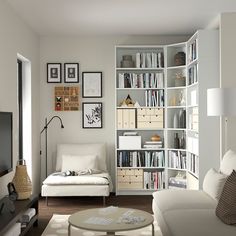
[{"x": 78, "y": 17}]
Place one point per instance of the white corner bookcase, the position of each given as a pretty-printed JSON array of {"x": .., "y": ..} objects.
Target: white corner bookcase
[{"x": 142, "y": 170}]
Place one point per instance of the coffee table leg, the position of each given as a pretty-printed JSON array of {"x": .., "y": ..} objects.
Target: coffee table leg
[
  {"x": 152, "y": 229},
  {"x": 69, "y": 229}
]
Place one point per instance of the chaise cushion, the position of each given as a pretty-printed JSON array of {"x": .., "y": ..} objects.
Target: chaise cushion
[
  {"x": 183, "y": 199},
  {"x": 79, "y": 162}
]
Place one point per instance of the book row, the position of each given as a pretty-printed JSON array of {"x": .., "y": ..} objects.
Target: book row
[
  {"x": 193, "y": 164},
  {"x": 149, "y": 60},
  {"x": 193, "y": 51},
  {"x": 143, "y": 80},
  {"x": 153, "y": 180},
  {"x": 177, "y": 159},
  {"x": 154, "y": 98},
  {"x": 141, "y": 159},
  {"x": 192, "y": 74}
]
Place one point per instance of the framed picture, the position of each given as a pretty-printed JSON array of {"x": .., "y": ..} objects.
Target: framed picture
[
  {"x": 71, "y": 72},
  {"x": 92, "y": 84},
  {"x": 92, "y": 114},
  {"x": 54, "y": 72}
]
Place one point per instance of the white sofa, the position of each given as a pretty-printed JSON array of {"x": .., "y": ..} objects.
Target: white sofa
[
  {"x": 192, "y": 212},
  {"x": 56, "y": 185}
]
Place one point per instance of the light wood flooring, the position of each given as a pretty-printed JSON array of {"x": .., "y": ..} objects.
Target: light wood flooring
[{"x": 69, "y": 205}]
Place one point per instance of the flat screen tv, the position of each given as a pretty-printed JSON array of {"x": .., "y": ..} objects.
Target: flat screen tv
[{"x": 6, "y": 159}]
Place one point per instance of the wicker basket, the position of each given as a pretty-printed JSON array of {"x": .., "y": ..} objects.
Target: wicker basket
[{"x": 22, "y": 181}]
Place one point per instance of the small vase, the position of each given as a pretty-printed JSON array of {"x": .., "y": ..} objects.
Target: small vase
[
  {"x": 176, "y": 141},
  {"x": 22, "y": 181},
  {"x": 176, "y": 121}
]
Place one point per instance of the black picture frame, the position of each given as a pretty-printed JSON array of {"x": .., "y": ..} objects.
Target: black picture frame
[
  {"x": 92, "y": 84},
  {"x": 71, "y": 72},
  {"x": 92, "y": 115},
  {"x": 54, "y": 73}
]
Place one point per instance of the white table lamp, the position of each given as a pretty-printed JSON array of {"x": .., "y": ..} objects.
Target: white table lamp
[{"x": 221, "y": 102}]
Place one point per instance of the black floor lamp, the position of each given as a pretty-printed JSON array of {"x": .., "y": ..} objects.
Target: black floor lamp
[{"x": 45, "y": 128}]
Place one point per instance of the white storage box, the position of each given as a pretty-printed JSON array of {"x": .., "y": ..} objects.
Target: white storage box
[{"x": 129, "y": 142}]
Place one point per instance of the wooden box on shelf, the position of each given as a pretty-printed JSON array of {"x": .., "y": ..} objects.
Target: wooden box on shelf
[
  {"x": 150, "y": 118},
  {"x": 130, "y": 178}
]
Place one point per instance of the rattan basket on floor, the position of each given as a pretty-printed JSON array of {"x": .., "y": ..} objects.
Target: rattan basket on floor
[{"x": 22, "y": 181}]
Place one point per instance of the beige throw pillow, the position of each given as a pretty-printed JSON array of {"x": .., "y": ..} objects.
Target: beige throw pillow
[
  {"x": 226, "y": 208},
  {"x": 79, "y": 163},
  {"x": 228, "y": 164},
  {"x": 213, "y": 183}
]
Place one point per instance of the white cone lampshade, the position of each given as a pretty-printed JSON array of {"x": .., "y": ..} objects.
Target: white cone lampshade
[{"x": 221, "y": 102}]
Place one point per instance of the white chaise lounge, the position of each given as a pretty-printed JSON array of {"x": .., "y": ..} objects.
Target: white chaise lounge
[{"x": 73, "y": 157}]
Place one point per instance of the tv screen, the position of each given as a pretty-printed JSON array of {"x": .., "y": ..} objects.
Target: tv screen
[{"x": 5, "y": 142}]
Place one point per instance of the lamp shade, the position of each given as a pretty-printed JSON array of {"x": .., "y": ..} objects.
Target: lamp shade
[{"x": 221, "y": 102}]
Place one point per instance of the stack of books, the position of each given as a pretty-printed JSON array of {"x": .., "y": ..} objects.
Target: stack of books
[
  {"x": 153, "y": 144},
  {"x": 130, "y": 133}
]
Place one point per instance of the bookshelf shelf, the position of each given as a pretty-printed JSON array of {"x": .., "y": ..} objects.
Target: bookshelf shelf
[
  {"x": 142, "y": 167},
  {"x": 176, "y": 67},
  {"x": 195, "y": 61},
  {"x": 183, "y": 115},
  {"x": 182, "y": 87},
  {"x": 139, "y": 88},
  {"x": 141, "y": 149},
  {"x": 192, "y": 85},
  {"x": 139, "y": 69}
]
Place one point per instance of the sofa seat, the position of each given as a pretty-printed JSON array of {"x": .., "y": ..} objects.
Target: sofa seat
[
  {"x": 196, "y": 222},
  {"x": 188, "y": 212},
  {"x": 183, "y": 199}
]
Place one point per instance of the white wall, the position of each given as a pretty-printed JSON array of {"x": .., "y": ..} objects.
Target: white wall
[
  {"x": 228, "y": 62},
  {"x": 93, "y": 53},
  {"x": 15, "y": 38}
]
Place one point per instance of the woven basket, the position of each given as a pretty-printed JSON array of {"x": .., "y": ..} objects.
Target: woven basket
[{"x": 22, "y": 181}]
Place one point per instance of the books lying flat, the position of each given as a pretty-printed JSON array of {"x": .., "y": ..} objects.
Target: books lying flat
[
  {"x": 153, "y": 142},
  {"x": 152, "y": 146},
  {"x": 130, "y": 133}
]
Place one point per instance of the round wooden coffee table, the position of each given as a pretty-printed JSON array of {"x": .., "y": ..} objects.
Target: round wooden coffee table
[{"x": 110, "y": 220}]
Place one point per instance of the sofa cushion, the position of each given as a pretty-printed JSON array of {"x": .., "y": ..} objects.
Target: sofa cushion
[
  {"x": 226, "y": 208},
  {"x": 196, "y": 222},
  {"x": 183, "y": 199},
  {"x": 79, "y": 162},
  {"x": 213, "y": 183},
  {"x": 228, "y": 164},
  {"x": 98, "y": 179},
  {"x": 98, "y": 149}
]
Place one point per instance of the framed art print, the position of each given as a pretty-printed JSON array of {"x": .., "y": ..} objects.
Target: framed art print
[
  {"x": 71, "y": 72},
  {"x": 54, "y": 72},
  {"x": 92, "y": 115},
  {"x": 92, "y": 84}
]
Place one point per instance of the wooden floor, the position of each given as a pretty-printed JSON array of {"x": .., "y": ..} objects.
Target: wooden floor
[{"x": 72, "y": 204}]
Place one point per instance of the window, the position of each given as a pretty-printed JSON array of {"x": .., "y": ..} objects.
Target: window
[{"x": 20, "y": 107}]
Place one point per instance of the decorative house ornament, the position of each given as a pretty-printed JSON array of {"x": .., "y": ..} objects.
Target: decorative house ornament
[
  {"x": 66, "y": 98},
  {"x": 22, "y": 181}
]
